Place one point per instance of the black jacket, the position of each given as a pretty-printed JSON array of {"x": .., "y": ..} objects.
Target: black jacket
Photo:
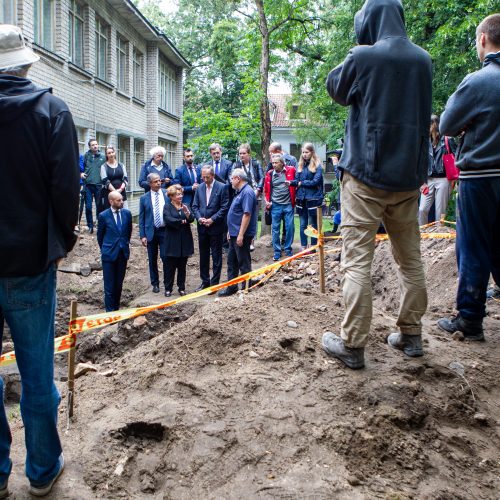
[
  {"x": 39, "y": 178},
  {"x": 475, "y": 108},
  {"x": 178, "y": 236},
  {"x": 387, "y": 81}
]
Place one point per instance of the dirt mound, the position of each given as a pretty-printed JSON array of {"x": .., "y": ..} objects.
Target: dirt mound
[{"x": 234, "y": 398}]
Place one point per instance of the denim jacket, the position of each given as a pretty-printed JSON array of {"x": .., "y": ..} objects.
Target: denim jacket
[{"x": 311, "y": 184}]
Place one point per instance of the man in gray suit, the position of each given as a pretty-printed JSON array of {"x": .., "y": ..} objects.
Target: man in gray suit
[{"x": 210, "y": 207}]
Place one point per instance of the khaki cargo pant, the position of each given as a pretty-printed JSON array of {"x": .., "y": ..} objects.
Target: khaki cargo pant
[{"x": 363, "y": 207}]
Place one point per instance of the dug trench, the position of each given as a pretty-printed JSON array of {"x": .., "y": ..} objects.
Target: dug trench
[{"x": 234, "y": 398}]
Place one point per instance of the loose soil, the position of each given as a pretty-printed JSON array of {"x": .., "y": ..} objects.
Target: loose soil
[{"x": 234, "y": 398}]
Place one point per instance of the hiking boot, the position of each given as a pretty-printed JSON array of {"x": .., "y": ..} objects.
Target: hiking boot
[
  {"x": 353, "y": 357},
  {"x": 45, "y": 489},
  {"x": 411, "y": 345},
  {"x": 472, "y": 330}
]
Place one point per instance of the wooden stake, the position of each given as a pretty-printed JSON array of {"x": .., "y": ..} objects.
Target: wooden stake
[
  {"x": 321, "y": 251},
  {"x": 71, "y": 361}
]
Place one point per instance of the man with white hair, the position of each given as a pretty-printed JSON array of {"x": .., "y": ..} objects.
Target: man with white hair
[
  {"x": 36, "y": 224},
  {"x": 242, "y": 228},
  {"x": 156, "y": 165}
]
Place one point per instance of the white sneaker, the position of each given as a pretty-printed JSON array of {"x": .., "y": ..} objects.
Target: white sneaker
[
  {"x": 45, "y": 489},
  {"x": 252, "y": 248}
]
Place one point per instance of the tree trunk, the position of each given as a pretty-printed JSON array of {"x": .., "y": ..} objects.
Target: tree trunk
[{"x": 265, "y": 118}]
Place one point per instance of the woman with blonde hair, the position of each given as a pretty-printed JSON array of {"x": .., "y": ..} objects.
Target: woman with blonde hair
[
  {"x": 309, "y": 183},
  {"x": 178, "y": 246}
]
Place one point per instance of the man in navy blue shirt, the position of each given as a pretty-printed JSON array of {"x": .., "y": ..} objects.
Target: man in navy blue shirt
[{"x": 242, "y": 228}]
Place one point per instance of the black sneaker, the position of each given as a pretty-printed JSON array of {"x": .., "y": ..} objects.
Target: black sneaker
[
  {"x": 156, "y": 289},
  {"x": 472, "y": 330}
]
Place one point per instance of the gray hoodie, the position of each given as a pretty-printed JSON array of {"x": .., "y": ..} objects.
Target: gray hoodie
[
  {"x": 475, "y": 109},
  {"x": 387, "y": 82}
]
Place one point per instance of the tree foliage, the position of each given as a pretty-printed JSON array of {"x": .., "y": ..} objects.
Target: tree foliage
[{"x": 307, "y": 38}]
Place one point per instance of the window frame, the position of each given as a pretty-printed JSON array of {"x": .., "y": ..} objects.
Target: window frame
[
  {"x": 121, "y": 57},
  {"x": 167, "y": 87},
  {"x": 8, "y": 12},
  {"x": 102, "y": 31},
  {"x": 76, "y": 18},
  {"x": 42, "y": 37},
  {"x": 138, "y": 73}
]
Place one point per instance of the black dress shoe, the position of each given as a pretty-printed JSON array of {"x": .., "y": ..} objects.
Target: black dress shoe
[
  {"x": 168, "y": 294},
  {"x": 227, "y": 292},
  {"x": 182, "y": 293},
  {"x": 156, "y": 289},
  {"x": 201, "y": 287}
]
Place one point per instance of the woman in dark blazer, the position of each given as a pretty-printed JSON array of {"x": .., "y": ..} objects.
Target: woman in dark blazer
[{"x": 178, "y": 240}]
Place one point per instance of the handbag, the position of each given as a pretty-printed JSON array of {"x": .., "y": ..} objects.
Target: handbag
[
  {"x": 267, "y": 217},
  {"x": 452, "y": 172}
]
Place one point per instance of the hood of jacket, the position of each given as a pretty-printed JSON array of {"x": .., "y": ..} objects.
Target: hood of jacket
[
  {"x": 17, "y": 96},
  {"x": 492, "y": 59},
  {"x": 379, "y": 19}
]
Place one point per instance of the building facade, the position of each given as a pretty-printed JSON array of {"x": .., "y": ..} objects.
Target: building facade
[{"x": 121, "y": 78}]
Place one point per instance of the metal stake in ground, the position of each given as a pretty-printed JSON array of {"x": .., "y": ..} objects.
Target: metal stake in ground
[
  {"x": 71, "y": 360},
  {"x": 321, "y": 251}
]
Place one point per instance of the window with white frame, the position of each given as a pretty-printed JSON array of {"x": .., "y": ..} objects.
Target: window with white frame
[
  {"x": 123, "y": 152},
  {"x": 43, "y": 15},
  {"x": 102, "y": 140},
  {"x": 170, "y": 156},
  {"x": 167, "y": 87},
  {"x": 138, "y": 74},
  {"x": 121, "y": 63},
  {"x": 8, "y": 12},
  {"x": 136, "y": 166},
  {"x": 101, "y": 49},
  {"x": 82, "y": 139},
  {"x": 75, "y": 24}
]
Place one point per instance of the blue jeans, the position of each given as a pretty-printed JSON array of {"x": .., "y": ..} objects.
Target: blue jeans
[
  {"x": 307, "y": 216},
  {"x": 478, "y": 243},
  {"x": 281, "y": 212},
  {"x": 28, "y": 306},
  {"x": 92, "y": 191}
]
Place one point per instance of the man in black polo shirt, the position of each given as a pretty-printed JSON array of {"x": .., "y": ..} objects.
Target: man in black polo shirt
[{"x": 242, "y": 228}]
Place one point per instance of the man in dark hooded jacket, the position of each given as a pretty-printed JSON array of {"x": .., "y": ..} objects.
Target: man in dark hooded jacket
[
  {"x": 387, "y": 82},
  {"x": 39, "y": 162},
  {"x": 475, "y": 109}
]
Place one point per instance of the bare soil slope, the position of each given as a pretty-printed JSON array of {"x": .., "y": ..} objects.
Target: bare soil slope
[{"x": 234, "y": 398}]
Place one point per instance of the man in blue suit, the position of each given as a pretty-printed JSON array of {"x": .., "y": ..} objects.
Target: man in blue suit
[
  {"x": 113, "y": 235},
  {"x": 222, "y": 167},
  {"x": 210, "y": 207},
  {"x": 152, "y": 226},
  {"x": 188, "y": 175}
]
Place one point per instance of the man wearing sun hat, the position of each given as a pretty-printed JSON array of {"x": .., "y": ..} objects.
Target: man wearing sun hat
[{"x": 39, "y": 190}]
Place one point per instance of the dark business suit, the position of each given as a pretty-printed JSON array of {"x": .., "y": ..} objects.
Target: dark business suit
[
  {"x": 223, "y": 174},
  {"x": 210, "y": 238},
  {"x": 186, "y": 180},
  {"x": 114, "y": 243},
  {"x": 154, "y": 235}
]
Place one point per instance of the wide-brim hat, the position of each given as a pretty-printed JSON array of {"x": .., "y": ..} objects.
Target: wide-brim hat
[{"x": 13, "y": 50}]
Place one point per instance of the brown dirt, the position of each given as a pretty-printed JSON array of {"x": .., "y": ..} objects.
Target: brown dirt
[{"x": 223, "y": 399}]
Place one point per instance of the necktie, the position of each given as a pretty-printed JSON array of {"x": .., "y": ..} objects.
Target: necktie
[
  {"x": 191, "y": 174},
  {"x": 217, "y": 167},
  {"x": 118, "y": 221},
  {"x": 157, "y": 216}
]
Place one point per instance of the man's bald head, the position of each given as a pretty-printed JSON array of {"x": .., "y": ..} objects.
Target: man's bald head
[{"x": 115, "y": 200}]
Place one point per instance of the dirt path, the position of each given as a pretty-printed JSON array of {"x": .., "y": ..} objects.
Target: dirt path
[{"x": 228, "y": 399}]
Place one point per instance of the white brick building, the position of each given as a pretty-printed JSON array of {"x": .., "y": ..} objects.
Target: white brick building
[{"x": 121, "y": 78}]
